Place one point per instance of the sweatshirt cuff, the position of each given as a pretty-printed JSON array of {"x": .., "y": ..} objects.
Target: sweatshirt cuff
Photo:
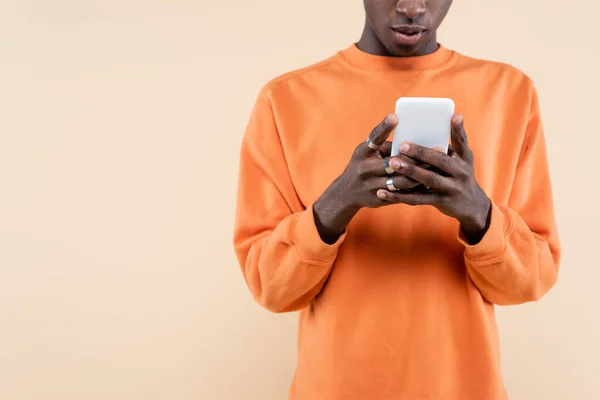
[
  {"x": 303, "y": 235},
  {"x": 492, "y": 245}
]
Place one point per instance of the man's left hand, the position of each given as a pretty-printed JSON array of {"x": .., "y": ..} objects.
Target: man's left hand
[{"x": 453, "y": 189}]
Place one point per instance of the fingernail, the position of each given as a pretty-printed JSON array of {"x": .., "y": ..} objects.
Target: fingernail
[
  {"x": 390, "y": 119},
  {"x": 381, "y": 194},
  {"x": 404, "y": 148},
  {"x": 459, "y": 118},
  {"x": 395, "y": 164}
]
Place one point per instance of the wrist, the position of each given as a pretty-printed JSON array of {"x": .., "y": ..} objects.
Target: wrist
[
  {"x": 332, "y": 215},
  {"x": 476, "y": 225}
]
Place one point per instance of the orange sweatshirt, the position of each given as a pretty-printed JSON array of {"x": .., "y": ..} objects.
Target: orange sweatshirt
[{"x": 401, "y": 307}]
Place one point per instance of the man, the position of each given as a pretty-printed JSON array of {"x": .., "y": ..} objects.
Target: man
[{"x": 396, "y": 282}]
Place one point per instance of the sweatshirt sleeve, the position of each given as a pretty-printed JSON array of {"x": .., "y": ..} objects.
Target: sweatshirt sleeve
[
  {"x": 517, "y": 260},
  {"x": 283, "y": 259}
]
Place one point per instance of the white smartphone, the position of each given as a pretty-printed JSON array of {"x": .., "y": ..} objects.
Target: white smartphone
[{"x": 425, "y": 121}]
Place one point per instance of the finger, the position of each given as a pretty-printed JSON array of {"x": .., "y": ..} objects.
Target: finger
[
  {"x": 380, "y": 133},
  {"x": 429, "y": 178},
  {"x": 375, "y": 166},
  {"x": 398, "y": 182},
  {"x": 411, "y": 199},
  {"x": 436, "y": 158},
  {"x": 433, "y": 169},
  {"x": 460, "y": 143},
  {"x": 451, "y": 152},
  {"x": 407, "y": 159},
  {"x": 386, "y": 149}
]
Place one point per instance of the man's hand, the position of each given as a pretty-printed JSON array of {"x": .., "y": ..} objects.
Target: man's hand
[
  {"x": 454, "y": 190},
  {"x": 357, "y": 187}
]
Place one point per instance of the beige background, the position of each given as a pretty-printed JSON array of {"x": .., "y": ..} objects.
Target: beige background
[{"x": 119, "y": 130}]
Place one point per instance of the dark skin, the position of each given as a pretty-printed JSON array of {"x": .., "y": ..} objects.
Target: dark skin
[
  {"x": 450, "y": 185},
  {"x": 385, "y": 17}
]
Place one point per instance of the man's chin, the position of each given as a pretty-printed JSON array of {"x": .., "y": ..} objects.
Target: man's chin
[{"x": 404, "y": 51}]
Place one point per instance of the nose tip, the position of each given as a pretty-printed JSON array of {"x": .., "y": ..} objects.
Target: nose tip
[{"x": 411, "y": 9}]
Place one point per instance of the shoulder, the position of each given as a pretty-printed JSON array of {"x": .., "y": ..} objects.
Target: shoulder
[
  {"x": 284, "y": 97},
  {"x": 302, "y": 81},
  {"x": 490, "y": 73}
]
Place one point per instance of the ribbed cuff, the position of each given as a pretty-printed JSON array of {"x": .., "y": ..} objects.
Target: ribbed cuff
[
  {"x": 493, "y": 243},
  {"x": 304, "y": 236}
]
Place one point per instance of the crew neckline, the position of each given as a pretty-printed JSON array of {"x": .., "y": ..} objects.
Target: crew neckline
[{"x": 360, "y": 59}]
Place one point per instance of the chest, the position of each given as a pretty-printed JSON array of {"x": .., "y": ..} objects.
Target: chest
[{"x": 317, "y": 152}]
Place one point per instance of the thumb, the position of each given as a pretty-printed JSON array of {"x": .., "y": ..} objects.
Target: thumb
[{"x": 460, "y": 143}]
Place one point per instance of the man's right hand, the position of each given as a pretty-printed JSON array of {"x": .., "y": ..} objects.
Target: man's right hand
[{"x": 357, "y": 187}]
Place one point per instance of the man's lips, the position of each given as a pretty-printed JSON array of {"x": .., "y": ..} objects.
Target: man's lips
[{"x": 408, "y": 34}]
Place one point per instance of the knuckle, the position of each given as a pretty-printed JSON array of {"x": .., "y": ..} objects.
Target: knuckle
[
  {"x": 415, "y": 201},
  {"x": 401, "y": 182},
  {"x": 465, "y": 170},
  {"x": 374, "y": 184},
  {"x": 432, "y": 180},
  {"x": 419, "y": 151},
  {"x": 371, "y": 186},
  {"x": 393, "y": 198},
  {"x": 446, "y": 162},
  {"x": 373, "y": 134},
  {"x": 362, "y": 170},
  {"x": 453, "y": 190},
  {"x": 409, "y": 169},
  {"x": 376, "y": 132},
  {"x": 462, "y": 173}
]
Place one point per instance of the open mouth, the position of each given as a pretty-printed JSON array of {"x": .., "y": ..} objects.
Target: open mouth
[{"x": 408, "y": 35}]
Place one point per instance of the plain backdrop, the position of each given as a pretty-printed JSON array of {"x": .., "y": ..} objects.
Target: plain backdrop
[{"x": 120, "y": 124}]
